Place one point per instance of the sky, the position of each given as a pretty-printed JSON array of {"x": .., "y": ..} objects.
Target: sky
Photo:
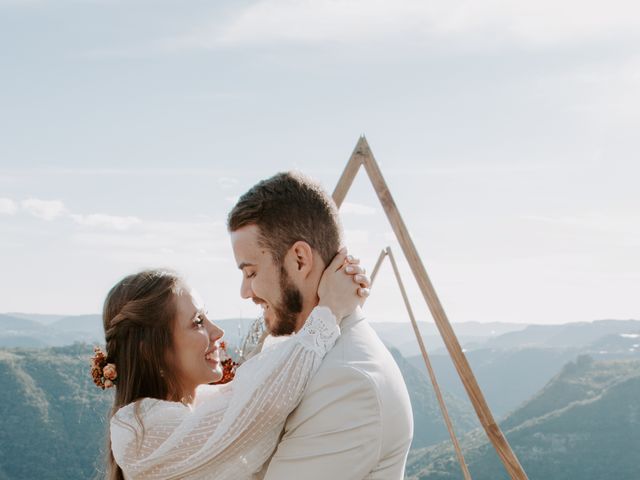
[{"x": 507, "y": 132}]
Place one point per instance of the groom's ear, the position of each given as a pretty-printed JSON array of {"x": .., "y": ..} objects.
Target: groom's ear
[{"x": 301, "y": 258}]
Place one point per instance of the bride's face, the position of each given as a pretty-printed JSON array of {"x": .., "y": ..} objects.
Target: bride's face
[{"x": 196, "y": 353}]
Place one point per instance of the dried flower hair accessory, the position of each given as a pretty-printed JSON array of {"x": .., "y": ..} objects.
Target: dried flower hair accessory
[
  {"x": 228, "y": 365},
  {"x": 104, "y": 374}
]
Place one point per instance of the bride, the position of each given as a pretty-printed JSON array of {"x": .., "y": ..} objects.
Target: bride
[{"x": 161, "y": 354}]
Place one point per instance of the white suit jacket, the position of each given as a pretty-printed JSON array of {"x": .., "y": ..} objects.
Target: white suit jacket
[{"x": 354, "y": 421}]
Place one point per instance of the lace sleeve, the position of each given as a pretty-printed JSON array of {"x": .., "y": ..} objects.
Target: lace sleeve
[{"x": 226, "y": 421}]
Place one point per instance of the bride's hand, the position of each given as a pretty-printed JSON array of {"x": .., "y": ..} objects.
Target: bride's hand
[{"x": 343, "y": 286}]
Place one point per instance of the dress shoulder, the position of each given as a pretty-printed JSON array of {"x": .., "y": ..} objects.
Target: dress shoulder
[{"x": 146, "y": 410}]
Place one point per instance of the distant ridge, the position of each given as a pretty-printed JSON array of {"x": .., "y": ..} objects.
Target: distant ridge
[
  {"x": 566, "y": 335},
  {"x": 512, "y": 367},
  {"x": 27, "y": 330},
  {"x": 426, "y": 411},
  {"x": 42, "y": 318},
  {"x": 24, "y": 330},
  {"x": 584, "y": 424}
]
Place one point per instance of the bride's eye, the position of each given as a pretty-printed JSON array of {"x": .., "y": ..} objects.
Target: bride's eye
[{"x": 198, "y": 320}]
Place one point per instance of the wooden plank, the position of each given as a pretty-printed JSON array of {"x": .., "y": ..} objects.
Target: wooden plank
[
  {"x": 349, "y": 173},
  {"x": 423, "y": 349},
  {"x": 374, "y": 272},
  {"x": 432, "y": 375},
  {"x": 362, "y": 155}
]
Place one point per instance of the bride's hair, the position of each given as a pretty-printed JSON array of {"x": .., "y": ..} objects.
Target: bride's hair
[{"x": 138, "y": 317}]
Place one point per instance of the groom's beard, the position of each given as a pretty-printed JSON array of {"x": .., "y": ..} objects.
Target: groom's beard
[{"x": 288, "y": 309}]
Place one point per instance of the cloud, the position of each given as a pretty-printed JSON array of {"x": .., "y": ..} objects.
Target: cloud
[
  {"x": 106, "y": 221},
  {"x": 488, "y": 22},
  {"x": 99, "y": 172},
  {"x": 348, "y": 208},
  {"x": 594, "y": 221},
  {"x": 45, "y": 209},
  {"x": 623, "y": 229},
  {"x": 158, "y": 243},
  {"x": 358, "y": 238},
  {"x": 18, "y": 3},
  {"x": 53, "y": 209},
  {"x": 8, "y": 206},
  {"x": 227, "y": 182}
]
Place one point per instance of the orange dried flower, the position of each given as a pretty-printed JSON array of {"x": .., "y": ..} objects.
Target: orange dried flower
[
  {"x": 228, "y": 365},
  {"x": 104, "y": 374},
  {"x": 109, "y": 372}
]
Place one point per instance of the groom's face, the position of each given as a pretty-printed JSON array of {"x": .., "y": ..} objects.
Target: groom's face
[{"x": 267, "y": 284}]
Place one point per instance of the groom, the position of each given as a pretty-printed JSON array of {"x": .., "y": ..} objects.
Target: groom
[{"x": 354, "y": 421}]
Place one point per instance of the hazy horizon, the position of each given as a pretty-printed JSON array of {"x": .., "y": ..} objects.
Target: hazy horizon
[{"x": 375, "y": 320}]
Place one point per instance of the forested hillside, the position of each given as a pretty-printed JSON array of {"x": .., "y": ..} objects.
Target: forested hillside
[{"x": 585, "y": 424}]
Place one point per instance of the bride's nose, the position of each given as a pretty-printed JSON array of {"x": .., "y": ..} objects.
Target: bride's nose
[{"x": 215, "y": 332}]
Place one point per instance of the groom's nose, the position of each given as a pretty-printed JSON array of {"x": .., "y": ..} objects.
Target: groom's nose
[{"x": 245, "y": 289}]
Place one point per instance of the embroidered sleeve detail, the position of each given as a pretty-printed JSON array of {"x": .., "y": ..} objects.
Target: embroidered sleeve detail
[{"x": 320, "y": 331}]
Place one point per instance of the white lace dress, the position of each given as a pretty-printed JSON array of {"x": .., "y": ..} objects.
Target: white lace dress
[{"x": 231, "y": 430}]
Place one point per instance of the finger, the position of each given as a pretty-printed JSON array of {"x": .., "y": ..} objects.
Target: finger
[
  {"x": 339, "y": 260},
  {"x": 353, "y": 260},
  {"x": 362, "y": 280},
  {"x": 364, "y": 292},
  {"x": 354, "y": 269}
]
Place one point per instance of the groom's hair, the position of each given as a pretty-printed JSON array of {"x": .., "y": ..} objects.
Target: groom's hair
[{"x": 287, "y": 208}]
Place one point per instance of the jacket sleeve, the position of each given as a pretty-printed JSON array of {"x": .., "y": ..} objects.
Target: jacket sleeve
[{"x": 337, "y": 436}]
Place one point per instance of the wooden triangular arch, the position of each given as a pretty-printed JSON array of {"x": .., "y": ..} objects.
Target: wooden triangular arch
[{"x": 362, "y": 155}]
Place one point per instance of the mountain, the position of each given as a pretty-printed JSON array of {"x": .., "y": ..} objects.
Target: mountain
[
  {"x": 52, "y": 416},
  {"x": 502, "y": 336},
  {"x": 79, "y": 323},
  {"x": 400, "y": 335},
  {"x": 65, "y": 330},
  {"x": 511, "y": 371},
  {"x": 585, "y": 423},
  {"x": 9, "y": 323},
  {"x": 23, "y": 330},
  {"x": 20, "y": 332},
  {"x": 57, "y": 330},
  {"x": 628, "y": 343},
  {"x": 26, "y": 332},
  {"x": 427, "y": 417},
  {"x": 506, "y": 377},
  {"x": 43, "y": 319},
  {"x": 568, "y": 335}
]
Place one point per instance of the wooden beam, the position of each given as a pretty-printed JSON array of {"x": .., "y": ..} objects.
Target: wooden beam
[
  {"x": 349, "y": 173},
  {"x": 374, "y": 272},
  {"x": 425, "y": 357},
  {"x": 362, "y": 155}
]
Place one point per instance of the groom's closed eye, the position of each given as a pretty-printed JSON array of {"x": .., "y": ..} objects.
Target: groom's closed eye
[{"x": 244, "y": 266}]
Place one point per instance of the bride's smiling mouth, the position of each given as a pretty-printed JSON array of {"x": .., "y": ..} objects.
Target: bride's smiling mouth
[{"x": 213, "y": 356}]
